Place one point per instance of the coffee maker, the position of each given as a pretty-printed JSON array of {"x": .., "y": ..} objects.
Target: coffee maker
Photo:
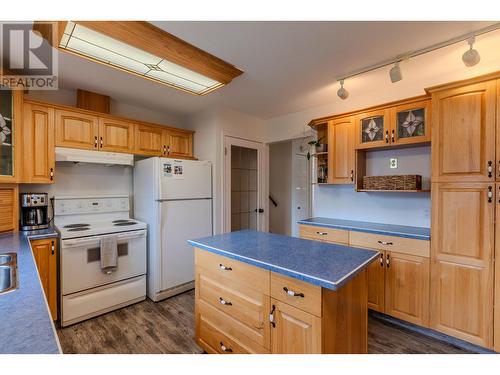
[{"x": 34, "y": 208}]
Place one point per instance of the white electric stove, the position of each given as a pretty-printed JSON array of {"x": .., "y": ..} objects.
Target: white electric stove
[{"x": 86, "y": 291}]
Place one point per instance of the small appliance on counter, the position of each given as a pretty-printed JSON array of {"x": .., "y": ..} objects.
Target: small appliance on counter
[{"x": 34, "y": 208}]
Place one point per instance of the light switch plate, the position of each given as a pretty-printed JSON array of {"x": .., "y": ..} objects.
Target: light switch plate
[{"x": 393, "y": 163}]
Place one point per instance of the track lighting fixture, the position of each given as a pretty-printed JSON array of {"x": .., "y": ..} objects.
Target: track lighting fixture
[
  {"x": 471, "y": 57},
  {"x": 342, "y": 92},
  {"x": 395, "y": 73}
]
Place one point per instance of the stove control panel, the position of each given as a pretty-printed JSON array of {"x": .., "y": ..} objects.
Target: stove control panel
[{"x": 78, "y": 206}]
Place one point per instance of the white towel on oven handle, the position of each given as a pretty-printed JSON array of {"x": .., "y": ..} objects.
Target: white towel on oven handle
[{"x": 109, "y": 254}]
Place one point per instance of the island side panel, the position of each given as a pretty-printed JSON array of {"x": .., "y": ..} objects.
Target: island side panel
[{"x": 345, "y": 317}]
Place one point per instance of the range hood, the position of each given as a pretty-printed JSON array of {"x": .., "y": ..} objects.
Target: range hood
[{"x": 96, "y": 157}]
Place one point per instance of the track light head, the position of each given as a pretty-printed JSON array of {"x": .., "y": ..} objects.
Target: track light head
[
  {"x": 471, "y": 57},
  {"x": 395, "y": 73},
  {"x": 342, "y": 92}
]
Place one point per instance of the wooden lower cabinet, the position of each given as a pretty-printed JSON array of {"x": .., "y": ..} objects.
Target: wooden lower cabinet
[
  {"x": 294, "y": 331},
  {"x": 376, "y": 284},
  {"x": 45, "y": 254},
  {"x": 407, "y": 287},
  {"x": 240, "y": 308},
  {"x": 462, "y": 260}
]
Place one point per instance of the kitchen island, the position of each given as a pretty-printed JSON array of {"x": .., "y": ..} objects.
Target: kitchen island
[{"x": 259, "y": 292}]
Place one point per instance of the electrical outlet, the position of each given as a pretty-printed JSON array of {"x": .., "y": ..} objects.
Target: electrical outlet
[{"x": 393, "y": 163}]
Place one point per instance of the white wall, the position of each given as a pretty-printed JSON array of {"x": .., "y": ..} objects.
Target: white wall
[
  {"x": 375, "y": 88},
  {"x": 280, "y": 186}
]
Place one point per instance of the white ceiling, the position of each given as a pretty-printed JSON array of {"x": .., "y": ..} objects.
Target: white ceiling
[{"x": 286, "y": 64}]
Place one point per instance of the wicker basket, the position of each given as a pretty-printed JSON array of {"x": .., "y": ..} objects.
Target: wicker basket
[{"x": 403, "y": 182}]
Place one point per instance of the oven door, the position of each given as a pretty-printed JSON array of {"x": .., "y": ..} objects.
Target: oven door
[{"x": 81, "y": 261}]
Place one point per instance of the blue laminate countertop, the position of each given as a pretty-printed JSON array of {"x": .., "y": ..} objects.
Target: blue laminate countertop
[
  {"x": 418, "y": 233},
  {"x": 319, "y": 263},
  {"x": 25, "y": 322}
]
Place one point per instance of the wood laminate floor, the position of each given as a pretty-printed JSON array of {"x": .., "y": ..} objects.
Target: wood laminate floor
[{"x": 168, "y": 327}]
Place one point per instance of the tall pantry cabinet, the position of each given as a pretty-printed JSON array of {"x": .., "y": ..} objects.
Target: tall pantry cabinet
[{"x": 465, "y": 201}]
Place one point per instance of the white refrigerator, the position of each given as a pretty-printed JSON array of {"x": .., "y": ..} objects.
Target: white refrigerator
[{"x": 174, "y": 197}]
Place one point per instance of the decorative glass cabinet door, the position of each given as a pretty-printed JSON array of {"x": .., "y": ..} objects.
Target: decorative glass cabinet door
[
  {"x": 373, "y": 129},
  {"x": 6, "y": 133},
  {"x": 411, "y": 123}
]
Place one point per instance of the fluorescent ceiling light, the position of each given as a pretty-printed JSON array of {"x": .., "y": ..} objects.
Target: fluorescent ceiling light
[{"x": 94, "y": 45}]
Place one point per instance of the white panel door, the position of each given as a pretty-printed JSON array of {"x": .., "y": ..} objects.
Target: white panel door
[
  {"x": 185, "y": 179},
  {"x": 182, "y": 220}
]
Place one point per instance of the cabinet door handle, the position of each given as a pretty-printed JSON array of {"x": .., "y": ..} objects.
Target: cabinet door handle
[
  {"x": 392, "y": 136},
  {"x": 102, "y": 142},
  {"x": 381, "y": 260},
  {"x": 292, "y": 293},
  {"x": 352, "y": 175},
  {"x": 490, "y": 194},
  {"x": 225, "y": 348},
  {"x": 271, "y": 317},
  {"x": 224, "y": 268},
  {"x": 387, "y": 136},
  {"x": 322, "y": 233},
  {"x": 164, "y": 150},
  {"x": 52, "y": 249},
  {"x": 385, "y": 243},
  {"x": 490, "y": 169},
  {"x": 222, "y": 301},
  {"x": 51, "y": 174},
  {"x": 95, "y": 141},
  {"x": 388, "y": 260}
]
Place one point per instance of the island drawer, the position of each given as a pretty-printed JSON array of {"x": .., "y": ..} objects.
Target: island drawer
[
  {"x": 312, "y": 232},
  {"x": 233, "y": 270},
  {"x": 249, "y": 306},
  {"x": 219, "y": 330},
  {"x": 398, "y": 244},
  {"x": 300, "y": 294}
]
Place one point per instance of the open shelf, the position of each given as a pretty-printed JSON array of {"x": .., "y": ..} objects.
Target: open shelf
[{"x": 392, "y": 191}]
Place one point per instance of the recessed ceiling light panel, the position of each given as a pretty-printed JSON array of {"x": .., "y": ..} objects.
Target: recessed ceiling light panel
[{"x": 83, "y": 41}]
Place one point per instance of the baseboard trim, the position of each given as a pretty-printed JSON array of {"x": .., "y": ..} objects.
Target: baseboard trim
[
  {"x": 431, "y": 333},
  {"x": 173, "y": 291}
]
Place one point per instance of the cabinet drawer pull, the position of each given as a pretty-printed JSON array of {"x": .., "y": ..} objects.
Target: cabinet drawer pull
[
  {"x": 322, "y": 233},
  {"x": 292, "y": 293},
  {"x": 490, "y": 168},
  {"x": 271, "y": 317},
  {"x": 388, "y": 260},
  {"x": 225, "y": 348},
  {"x": 222, "y": 301},
  {"x": 381, "y": 260},
  {"x": 385, "y": 243},
  {"x": 224, "y": 268}
]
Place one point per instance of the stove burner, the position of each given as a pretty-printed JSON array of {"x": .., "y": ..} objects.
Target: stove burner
[
  {"x": 78, "y": 229},
  {"x": 121, "y": 221},
  {"x": 124, "y": 223},
  {"x": 76, "y": 225}
]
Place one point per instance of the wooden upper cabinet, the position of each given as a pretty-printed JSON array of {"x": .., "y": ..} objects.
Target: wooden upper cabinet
[
  {"x": 372, "y": 129},
  {"x": 462, "y": 261},
  {"x": 9, "y": 207},
  {"x": 295, "y": 331},
  {"x": 76, "y": 130},
  {"x": 38, "y": 144},
  {"x": 149, "y": 140},
  {"x": 463, "y": 136},
  {"x": 179, "y": 143},
  {"x": 116, "y": 135},
  {"x": 496, "y": 323},
  {"x": 497, "y": 173},
  {"x": 45, "y": 254},
  {"x": 411, "y": 123},
  {"x": 341, "y": 151},
  {"x": 11, "y": 110},
  {"x": 407, "y": 287}
]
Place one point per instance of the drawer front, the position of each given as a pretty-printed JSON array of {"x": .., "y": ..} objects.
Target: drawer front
[
  {"x": 408, "y": 246},
  {"x": 248, "y": 306},
  {"x": 296, "y": 293},
  {"x": 217, "y": 330},
  {"x": 324, "y": 234},
  {"x": 233, "y": 270}
]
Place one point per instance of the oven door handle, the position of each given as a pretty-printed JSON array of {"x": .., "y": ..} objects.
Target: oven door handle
[
  {"x": 131, "y": 235},
  {"x": 80, "y": 241}
]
